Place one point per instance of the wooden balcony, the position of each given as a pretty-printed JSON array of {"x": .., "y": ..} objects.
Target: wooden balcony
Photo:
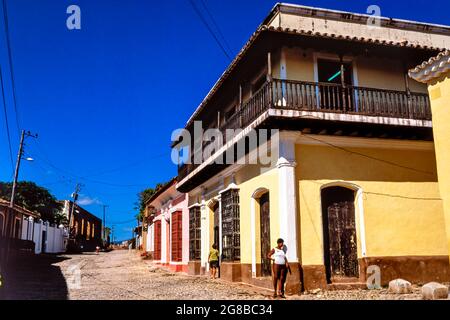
[
  {"x": 331, "y": 98},
  {"x": 328, "y": 100}
]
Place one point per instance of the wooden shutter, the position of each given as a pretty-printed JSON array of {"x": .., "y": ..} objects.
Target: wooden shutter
[
  {"x": 157, "y": 253},
  {"x": 177, "y": 234}
]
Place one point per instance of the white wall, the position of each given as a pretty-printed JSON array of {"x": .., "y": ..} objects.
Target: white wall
[
  {"x": 150, "y": 239},
  {"x": 55, "y": 236}
]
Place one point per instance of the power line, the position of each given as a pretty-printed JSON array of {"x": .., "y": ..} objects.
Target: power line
[
  {"x": 215, "y": 24},
  {"x": 200, "y": 15},
  {"x": 134, "y": 164},
  {"x": 11, "y": 68},
  {"x": 124, "y": 222},
  {"x": 86, "y": 177},
  {"x": 390, "y": 195},
  {"x": 6, "y": 121},
  {"x": 400, "y": 196},
  {"x": 368, "y": 156}
]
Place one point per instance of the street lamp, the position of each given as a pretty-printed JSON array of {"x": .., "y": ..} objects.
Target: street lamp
[{"x": 19, "y": 157}]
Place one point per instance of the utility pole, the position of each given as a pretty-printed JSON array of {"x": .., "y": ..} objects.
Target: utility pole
[
  {"x": 72, "y": 209},
  {"x": 112, "y": 234},
  {"x": 19, "y": 157},
  {"x": 104, "y": 222},
  {"x": 10, "y": 211}
]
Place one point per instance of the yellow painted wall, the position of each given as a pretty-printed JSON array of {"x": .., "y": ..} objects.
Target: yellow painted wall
[
  {"x": 211, "y": 226},
  {"x": 440, "y": 108},
  {"x": 249, "y": 180},
  {"x": 399, "y": 221},
  {"x": 300, "y": 64}
]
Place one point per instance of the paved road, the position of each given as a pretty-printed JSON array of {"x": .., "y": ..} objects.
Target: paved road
[{"x": 121, "y": 274}]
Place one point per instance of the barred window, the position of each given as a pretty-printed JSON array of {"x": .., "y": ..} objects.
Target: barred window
[
  {"x": 231, "y": 239},
  {"x": 194, "y": 233}
]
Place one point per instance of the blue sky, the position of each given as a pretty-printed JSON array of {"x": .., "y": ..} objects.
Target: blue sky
[{"x": 105, "y": 99}]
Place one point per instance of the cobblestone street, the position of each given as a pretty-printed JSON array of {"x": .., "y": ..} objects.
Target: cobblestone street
[
  {"x": 124, "y": 275},
  {"x": 115, "y": 275}
]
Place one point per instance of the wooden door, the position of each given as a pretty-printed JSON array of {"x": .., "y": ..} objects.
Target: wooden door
[
  {"x": 264, "y": 206},
  {"x": 157, "y": 253},
  {"x": 341, "y": 254},
  {"x": 342, "y": 235},
  {"x": 177, "y": 235},
  {"x": 335, "y": 90}
]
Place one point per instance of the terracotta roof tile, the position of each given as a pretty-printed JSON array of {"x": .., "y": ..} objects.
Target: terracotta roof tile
[
  {"x": 262, "y": 28},
  {"x": 433, "y": 68}
]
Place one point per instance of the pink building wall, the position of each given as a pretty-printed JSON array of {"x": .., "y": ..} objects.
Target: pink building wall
[{"x": 168, "y": 202}]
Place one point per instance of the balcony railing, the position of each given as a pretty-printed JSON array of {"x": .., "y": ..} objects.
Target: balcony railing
[
  {"x": 327, "y": 97},
  {"x": 324, "y": 97}
]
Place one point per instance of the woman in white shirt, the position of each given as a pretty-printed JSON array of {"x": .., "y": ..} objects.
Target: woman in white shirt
[{"x": 280, "y": 267}]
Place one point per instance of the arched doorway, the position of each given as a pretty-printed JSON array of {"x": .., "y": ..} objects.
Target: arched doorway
[
  {"x": 339, "y": 233},
  {"x": 264, "y": 211}
]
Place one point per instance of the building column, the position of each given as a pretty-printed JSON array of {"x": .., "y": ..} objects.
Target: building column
[
  {"x": 204, "y": 224},
  {"x": 287, "y": 189},
  {"x": 163, "y": 237},
  {"x": 169, "y": 258},
  {"x": 219, "y": 198},
  {"x": 253, "y": 234}
]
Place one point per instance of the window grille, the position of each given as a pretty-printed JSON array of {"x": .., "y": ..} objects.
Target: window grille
[
  {"x": 194, "y": 233},
  {"x": 231, "y": 239}
]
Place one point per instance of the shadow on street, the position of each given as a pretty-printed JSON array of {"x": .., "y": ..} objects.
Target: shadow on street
[{"x": 34, "y": 277}]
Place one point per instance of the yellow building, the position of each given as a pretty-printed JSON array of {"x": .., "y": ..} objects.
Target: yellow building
[
  {"x": 349, "y": 181},
  {"x": 436, "y": 73}
]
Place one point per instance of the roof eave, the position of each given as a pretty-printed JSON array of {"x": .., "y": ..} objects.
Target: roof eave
[{"x": 432, "y": 69}]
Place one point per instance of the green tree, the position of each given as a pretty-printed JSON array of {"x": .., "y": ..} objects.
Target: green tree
[
  {"x": 34, "y": 198},
  {"x": 143, "y": 197},
  {"x": 61, "y": 218}
]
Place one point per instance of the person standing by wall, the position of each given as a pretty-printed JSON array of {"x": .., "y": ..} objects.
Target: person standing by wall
[
  {"x": 213, "y": 260},
  {"x": 280, "y": 267}
]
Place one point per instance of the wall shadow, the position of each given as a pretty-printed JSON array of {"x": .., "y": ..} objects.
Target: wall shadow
[{"x": 34, "y": 277}]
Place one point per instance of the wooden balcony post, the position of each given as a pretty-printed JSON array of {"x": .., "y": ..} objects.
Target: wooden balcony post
[
  {"x": 269, "y": 66},
  {"x": 344, "y": 100},
  {"x": 408, "y": 92},
  {"x": 240, "y": 96},
  {"x": 240, "y": 105},
  {"x": 218, "y": 119}
]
